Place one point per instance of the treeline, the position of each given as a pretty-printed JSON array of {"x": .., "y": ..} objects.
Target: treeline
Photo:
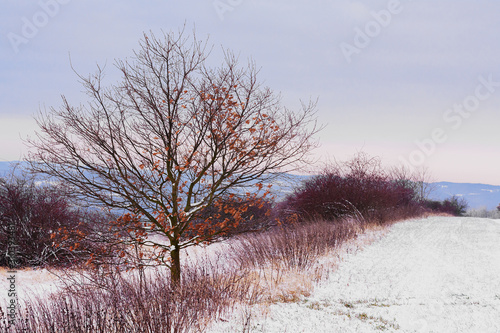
[
  {"x": 45, "y": 224},
  {"x": 361, "y": 187}
]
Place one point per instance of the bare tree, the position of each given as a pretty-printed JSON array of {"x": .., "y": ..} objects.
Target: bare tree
[
  {"x": 171, "y": 138},
  {"x": 420, "y": 180},
  {"x": 425, "y": 182}
]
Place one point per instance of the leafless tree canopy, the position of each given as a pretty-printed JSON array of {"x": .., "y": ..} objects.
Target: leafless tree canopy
[{"x": 172, "y": 137}]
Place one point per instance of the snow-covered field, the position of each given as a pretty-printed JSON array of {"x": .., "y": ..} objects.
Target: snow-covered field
[{"x": 438, "y": 274}]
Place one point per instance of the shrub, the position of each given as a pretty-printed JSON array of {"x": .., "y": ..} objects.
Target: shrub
[
  {"x": 484, "y": 213},
  {"x": 454, "y": 206},
  {"x": 121, "y": 303},
  {"x": 292, "y": 246},
  {"x": 40, "y": 225},
  {"x": 285, "y": 260},
  {"x": 358, "y": 187}
]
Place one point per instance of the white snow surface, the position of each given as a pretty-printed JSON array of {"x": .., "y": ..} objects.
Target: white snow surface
[
  {"x": 437, "y": 274},
  {"x": 29, "y": 283}
]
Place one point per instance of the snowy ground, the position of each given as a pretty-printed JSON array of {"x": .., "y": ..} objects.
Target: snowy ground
[
  {"x": 28, "y": 283},
  {"x": 438, "y": 274}
]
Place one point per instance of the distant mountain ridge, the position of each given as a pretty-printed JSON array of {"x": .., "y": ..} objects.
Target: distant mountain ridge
[
  {"x": 477, "y": 195},
  {"x": 6, "y": 167}
]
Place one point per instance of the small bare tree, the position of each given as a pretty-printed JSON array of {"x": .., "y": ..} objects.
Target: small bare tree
[
  {"x": 172, "y": 138},
  {"x": 420, "y": 180},
  {"x": 425, "y": 182}
]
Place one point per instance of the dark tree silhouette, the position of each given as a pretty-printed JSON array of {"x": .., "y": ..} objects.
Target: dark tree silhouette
[{"x": 172, "y": 138}]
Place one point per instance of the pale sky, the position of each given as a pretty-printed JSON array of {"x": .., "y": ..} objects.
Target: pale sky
[{"x": 414, "y": 82}]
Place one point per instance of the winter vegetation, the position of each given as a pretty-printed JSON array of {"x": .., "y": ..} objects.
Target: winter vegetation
[
  {"x": 173, "y": 138},
  {"x": 277, "y": 254},
  {"x": 157, "y": 213},
  {"x": 478, "y": 196},
  {"x": 484, "y": 213}
]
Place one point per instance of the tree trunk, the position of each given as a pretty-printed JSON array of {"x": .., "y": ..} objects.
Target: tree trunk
[{"x": 175, "y": 270}]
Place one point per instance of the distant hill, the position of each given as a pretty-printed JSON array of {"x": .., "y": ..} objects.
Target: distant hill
[
  {"x": 477, "y": 195},
  {"x": 6, "y": 167}
]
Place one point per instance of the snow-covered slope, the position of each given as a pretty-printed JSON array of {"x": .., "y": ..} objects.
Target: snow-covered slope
[{"x": 438, "y": 274}]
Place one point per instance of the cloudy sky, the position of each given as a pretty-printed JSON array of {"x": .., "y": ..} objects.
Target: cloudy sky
[{"x": 414, "y": 82}]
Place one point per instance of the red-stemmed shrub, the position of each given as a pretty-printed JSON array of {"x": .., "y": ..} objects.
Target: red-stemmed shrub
[
  {"x": 454, "y": 206},
  {"x": 359, "y": 188},
  {"x": 40, "y": 224}
]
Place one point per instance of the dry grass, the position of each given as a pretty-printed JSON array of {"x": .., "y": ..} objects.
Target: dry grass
[
  {"x": 294, "y": 246},
  {"x": 439, "y": 214},
  {"x": 285, "y": 262},
  {"x": 120, "y": 303},
  {"x": 253, "y": 271}
]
